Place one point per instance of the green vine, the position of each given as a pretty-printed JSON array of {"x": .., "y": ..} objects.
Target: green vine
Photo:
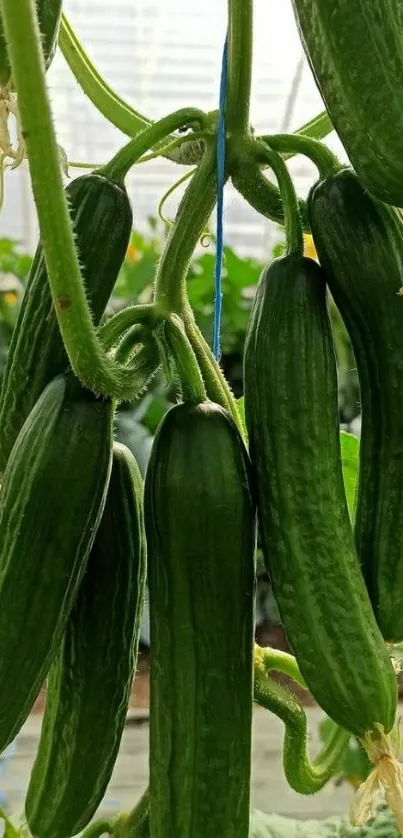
[
  {"x": 240, "y": 28},
  {"x": 305, "y": 776},
  {"x": 126, "y": 157},
  {"x": 292, "y": 220},
  {"x": 324, "y": 159},
  {"x": 180, "y": 350}
]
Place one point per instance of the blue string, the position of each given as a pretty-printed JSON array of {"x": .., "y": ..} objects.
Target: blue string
[{"x": 220, "y": 205}]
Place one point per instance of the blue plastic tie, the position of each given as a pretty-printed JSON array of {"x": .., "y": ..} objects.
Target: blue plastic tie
[{"x": 220, "y": 206}]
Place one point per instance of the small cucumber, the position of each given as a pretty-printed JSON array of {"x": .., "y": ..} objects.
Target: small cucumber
[
  {"x": 200, "y": 526},
  {"x": 307, "y": 539},
  {"x": 89, "y": 683},
  {"x": 51, "y": 501}
]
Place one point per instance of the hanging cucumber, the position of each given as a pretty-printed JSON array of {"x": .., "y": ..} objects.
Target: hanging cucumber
[
  {"x": 51, "y": 501},
  {"x": 200, "y": 526},
  {"x": 360, "y": 245},
  {"x": 90, "y": 681},
  {"x": 355, "y": 50},
  {"x": 292, "y": 419},
  {"x": 102, "y": 218},
  {"x": 49, "y": 14}
]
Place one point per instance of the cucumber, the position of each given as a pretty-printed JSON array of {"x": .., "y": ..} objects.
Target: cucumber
[
  {"x": 200, "y": 526},
  {"x": 90, "y": 681},
  {"x": 360, "y": 245},
  {"x": 51, "y": 501},
  {"x": 102, "y": 217},
  {"x": 307, "y": 539},
  {"x": 355, "y": 50},
  {"x": 49, "y": 14}
]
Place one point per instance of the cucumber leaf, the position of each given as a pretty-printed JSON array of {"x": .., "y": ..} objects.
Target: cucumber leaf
[{"x": 350, "y": 452}]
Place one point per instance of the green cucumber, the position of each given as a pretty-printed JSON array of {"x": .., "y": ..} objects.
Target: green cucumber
[
  {"x": 89, "y": 683},
  {"x": 102, "y": 217},
  {"x": 355, "y": 50},
  {"x": 307, "y": 539},
  {"x": 49, "y": 15},
  {"x": 360, "y": 245},
  {"x": 51, "y": 501},
  {"x": 200, "y": 526}
]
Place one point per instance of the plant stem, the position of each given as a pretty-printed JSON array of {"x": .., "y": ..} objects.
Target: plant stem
[
  {"x": 187, "y": 368},
  {"x": 87, "y": 357},
  {"x": 281, "y": 662},
  {"x": 303, "y": 775},
  {"x": 170, "y": 293},
  {"x": 262, "y": 194},
  {"x": 110, "y": 332},
  {"x": 193, "y": 213},
  {"x": 324, "y": 159},
  {"x": 240, "y": 34},
  {"x": 217, "y": 387},
  {"x": 95, "y": 830},
  {"x": 126, "y": 157},
  {"x": 318, "y": 127},
  {"x": 292, "y": 219}
]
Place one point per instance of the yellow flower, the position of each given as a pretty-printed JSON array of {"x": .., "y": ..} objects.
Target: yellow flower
[
  {"x": 132, "y": 254},
  {"x": 309, "y": 247},
  {"x": 10, "y": 298}
]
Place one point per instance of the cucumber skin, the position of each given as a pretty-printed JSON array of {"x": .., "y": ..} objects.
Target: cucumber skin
[
  {"x": 51, "y": 502},
  {"x": 102, "y": 222},
  {"x": 355, "y": 50},
  {"x": 200, "y": 526},
  {"x": 360, "y": 244},
  {"x": 49, "y": 15},
  {"x": 307, "y": 539},
  {"x": 90, "y": 681}
]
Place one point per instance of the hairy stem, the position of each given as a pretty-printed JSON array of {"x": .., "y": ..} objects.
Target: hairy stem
[{"x": 240, "y": 34}]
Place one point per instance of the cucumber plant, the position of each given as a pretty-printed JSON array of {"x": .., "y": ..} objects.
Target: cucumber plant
[{"x": 72, "y": 552}]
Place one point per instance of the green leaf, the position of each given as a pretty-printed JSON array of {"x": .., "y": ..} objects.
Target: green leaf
[{"x": 350, "y": 452}]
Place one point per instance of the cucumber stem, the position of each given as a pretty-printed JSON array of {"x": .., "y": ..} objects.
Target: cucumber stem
[
  {"x": 126, "y": 157},
  {"x": 292, "y": 219},
  {"x": 217, "y": 387},
  {"x": 324, "y": 159},
  {"x": 135, "y": 824},
  {"x": 97, "y": 829},
  {"x": 240, "y": 34},
  {"x": 184, "y": 358},
  {"x": 274, "y": 659},
  {"x": 170, "y": 293},
  {"x": 114, "y": 328},
  {"x": 193, "y": 213},
  {"x": 305, "y": 776},
  {"x": 86, "y": 354},
  {"x": 263, "y": 195},
  {"x": 134, "y": 336}
]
